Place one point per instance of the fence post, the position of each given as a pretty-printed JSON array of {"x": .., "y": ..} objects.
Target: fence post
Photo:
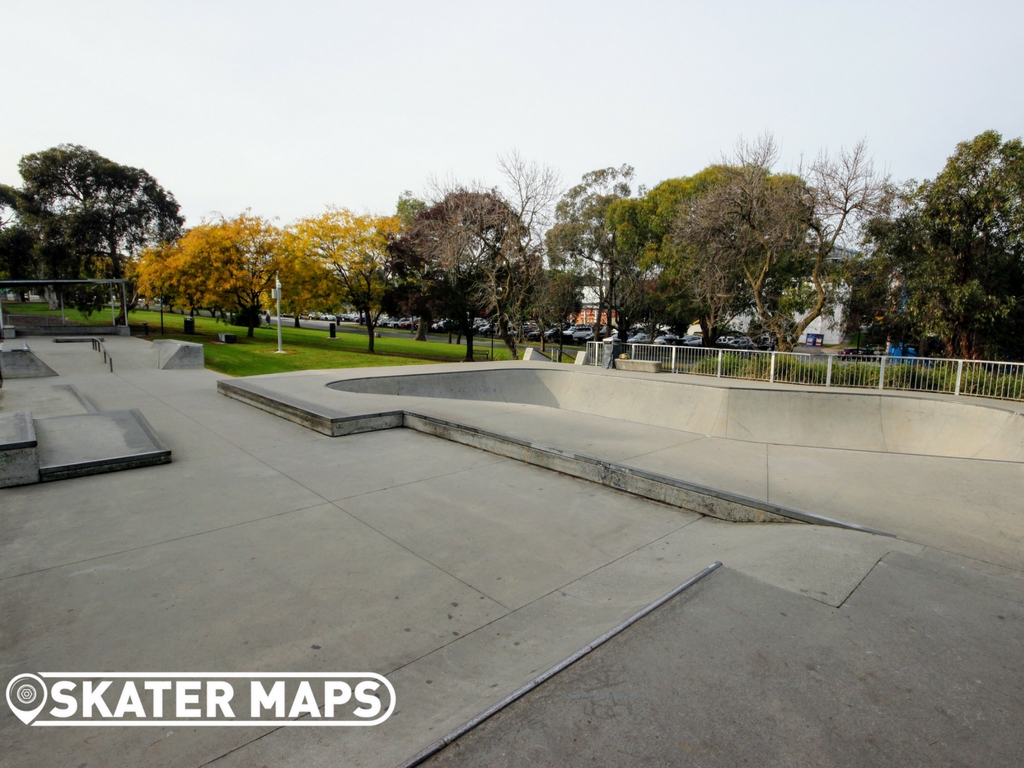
[
  {"x": 719, "y": 374},
  {"x": 881, "y": 373},
  {"x": 959, "y": 375},
  {"x": 771, "y": 375},
  {"x": 674, "y": 348},
  {"x": 828, "y": 375}
]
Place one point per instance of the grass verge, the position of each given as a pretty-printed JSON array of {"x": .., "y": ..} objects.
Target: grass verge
[{"x": 304, "y": 348}]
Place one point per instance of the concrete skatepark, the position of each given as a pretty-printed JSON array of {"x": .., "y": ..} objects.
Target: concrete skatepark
[{"x": 403, "y": 547}]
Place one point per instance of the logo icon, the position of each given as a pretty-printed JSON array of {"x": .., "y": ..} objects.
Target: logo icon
[{"x": 26, "y": 696}]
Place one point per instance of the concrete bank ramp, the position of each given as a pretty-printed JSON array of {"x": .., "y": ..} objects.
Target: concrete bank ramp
[
  {"x": 179, "y": 354},
  {"x": 17, "y": 361},
  {"x": 823, "y": 419}
]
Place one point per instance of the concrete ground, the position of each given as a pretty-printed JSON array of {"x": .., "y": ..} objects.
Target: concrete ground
[
  {"x": 911, "y": 670},
  {"x": 460, "y": 575}
]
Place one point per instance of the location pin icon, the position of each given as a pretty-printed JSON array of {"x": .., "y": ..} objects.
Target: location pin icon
[{"x": 23, "y": 692}]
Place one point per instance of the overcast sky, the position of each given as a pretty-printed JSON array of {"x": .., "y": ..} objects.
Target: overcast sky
[{"x": 290, "y": 106}]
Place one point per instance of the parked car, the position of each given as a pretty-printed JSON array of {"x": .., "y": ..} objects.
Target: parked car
[
  {"x": 583, "y": 334},
  {"x": 737, "y": 342}
]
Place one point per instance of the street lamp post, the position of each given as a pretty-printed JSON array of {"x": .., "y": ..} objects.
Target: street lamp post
[{"x": 277, "y": 295}]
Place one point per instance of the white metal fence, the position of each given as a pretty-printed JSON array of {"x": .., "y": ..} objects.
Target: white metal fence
[{"x": 976, "y": 378}]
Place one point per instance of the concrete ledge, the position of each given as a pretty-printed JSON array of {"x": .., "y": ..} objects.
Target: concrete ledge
[
  {"x": 180, "y": 354},
  {"x": 19, "y": 458},
  {"x": 649, "y": 485},
  {"x": 640, "y": 366},
  {"x": 308, "y": 414},
  {"x": 668, "y": 490},
  {"x": 582, "y": 358}
]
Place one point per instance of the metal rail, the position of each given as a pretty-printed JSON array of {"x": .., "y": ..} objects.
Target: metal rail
[{"x": 972, "y": 378}]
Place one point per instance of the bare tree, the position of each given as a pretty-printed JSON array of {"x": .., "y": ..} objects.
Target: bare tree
[
  {"x": 489, "y": 244},
  {"x": 783, "y": 231}
]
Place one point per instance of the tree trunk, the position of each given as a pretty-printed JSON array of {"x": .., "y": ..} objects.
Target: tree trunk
[
  {"x": 297, "y": 320},
  {"x": 371, "y": 327},
  {"x": 466, "y": 323},
  {"x": 425, "y": 320},
  {"x": 510, "y": 341},
  {"x": 252, "y": 325}
]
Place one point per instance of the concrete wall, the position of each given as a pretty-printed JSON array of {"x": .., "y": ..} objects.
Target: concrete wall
[{"x": 821, "y": 418}]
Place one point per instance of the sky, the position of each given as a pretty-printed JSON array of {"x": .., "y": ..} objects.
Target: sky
[{"x": 285, "y": 108}]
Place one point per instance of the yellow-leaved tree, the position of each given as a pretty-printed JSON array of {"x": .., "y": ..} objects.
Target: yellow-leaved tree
[
  {"x": 307, "y": 280},
  {"x": 241, "y": 256},
  {"x": 354, "y": 248}
]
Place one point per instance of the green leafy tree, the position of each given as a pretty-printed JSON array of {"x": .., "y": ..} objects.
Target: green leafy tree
[
  {"x": 17, "y": 241},
  {"x": 581, "y": 232},
  {"x": 950, "y": 254},
  {"x": 91, "y": 214}
]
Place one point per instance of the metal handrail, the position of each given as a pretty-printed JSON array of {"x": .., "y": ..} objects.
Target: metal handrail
[{"x": 971, "y": 378}]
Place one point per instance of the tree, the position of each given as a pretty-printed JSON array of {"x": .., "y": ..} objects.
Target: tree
[
  {"x": 950, "y": 253},
  {"x": 458, "y": 239},
  {"x": 354, "y": 249},
  {"x": 512, "y": 274},
  {"x": 783, "y": 231},
  {"x": 702, "y": 279},
  {"x": 158, "y": 275},
  {"x": 17, "y": 241},
  {"x": 227, "y": 263},
  {"x": 413, "y": 272},
  {"x": 91, "y": 213},
  {"x": 308, "y": 282},
  {"x": 559, "y": 297},
  {"x": 581, "y": 231}
]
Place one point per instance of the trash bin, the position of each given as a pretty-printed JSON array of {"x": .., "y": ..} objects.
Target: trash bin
[
  {"x": 145, "y": 329},
  {"x": 190, "y": 325},
  {"x": 334, "y": 330},
  {"x": 610, "y": 350}
]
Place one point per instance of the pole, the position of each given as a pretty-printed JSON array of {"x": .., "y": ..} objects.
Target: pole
[
  {"x": 124, "y": 305},
  {"x": 63, "y": 321},
  {"x": 1, "y": 319},
  {"x": 277, "y": 292},
  {"x": 113, "y": 317}
]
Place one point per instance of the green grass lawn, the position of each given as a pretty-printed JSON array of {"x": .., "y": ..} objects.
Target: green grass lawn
[{"x": 305, "y": 348}]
